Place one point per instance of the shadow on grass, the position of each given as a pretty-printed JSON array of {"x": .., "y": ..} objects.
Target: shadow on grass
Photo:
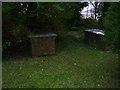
[
  {"x": 66, "y": 42},
  {"x": 16, "y": 55},
  {"x": 116, "y": 73}
]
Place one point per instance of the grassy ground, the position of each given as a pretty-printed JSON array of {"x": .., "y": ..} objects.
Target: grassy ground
[{"x": 75, "y": 65}]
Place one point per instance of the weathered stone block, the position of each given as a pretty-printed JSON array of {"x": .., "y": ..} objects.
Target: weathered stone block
[{"x": 43, "y": 44}]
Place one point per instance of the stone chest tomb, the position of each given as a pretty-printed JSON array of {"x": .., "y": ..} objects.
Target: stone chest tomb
[
  {"x": 94, "y": 37},
  {"x": 43, "y": 43}
]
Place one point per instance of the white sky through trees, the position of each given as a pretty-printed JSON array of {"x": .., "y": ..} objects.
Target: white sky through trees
[{"x": 87, "y": 11}]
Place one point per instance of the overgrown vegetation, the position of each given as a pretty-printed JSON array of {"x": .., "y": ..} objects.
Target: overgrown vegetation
[
  {"x": 112, "y": 26},
  {"x": 75, "y": 65},
  {"x": 21, "y": 18},
  {"x": 36, "y": 17}
]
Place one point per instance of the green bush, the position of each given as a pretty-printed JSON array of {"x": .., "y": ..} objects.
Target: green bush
[
  {"x": 53, "y": 17},
  {"x": 112, "y": 27},
  {"x": 17, "y": 39},
  {"x": 90, "y": 23}
]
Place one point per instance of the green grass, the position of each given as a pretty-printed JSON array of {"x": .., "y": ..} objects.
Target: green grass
[{"x": 75, "y": 65}]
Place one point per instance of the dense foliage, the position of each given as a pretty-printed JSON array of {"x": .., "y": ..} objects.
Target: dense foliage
[
  {"x": 14, "y": 31},
  {"x": 19, "y": 19},
  {"x": 103, "y": 10},
  {"x": 57, "y": 17},
  {"x": 90, "y": 23},
  {"x": 112, "y": 21}
]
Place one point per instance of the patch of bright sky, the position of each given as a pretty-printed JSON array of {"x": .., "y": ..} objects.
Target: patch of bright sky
[{"x": 87, "y": 10}]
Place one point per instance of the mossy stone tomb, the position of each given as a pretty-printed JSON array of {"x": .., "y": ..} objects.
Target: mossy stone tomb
[
  {"x": 43, "y": 43},
  {"x": 94, "y": 37}
]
